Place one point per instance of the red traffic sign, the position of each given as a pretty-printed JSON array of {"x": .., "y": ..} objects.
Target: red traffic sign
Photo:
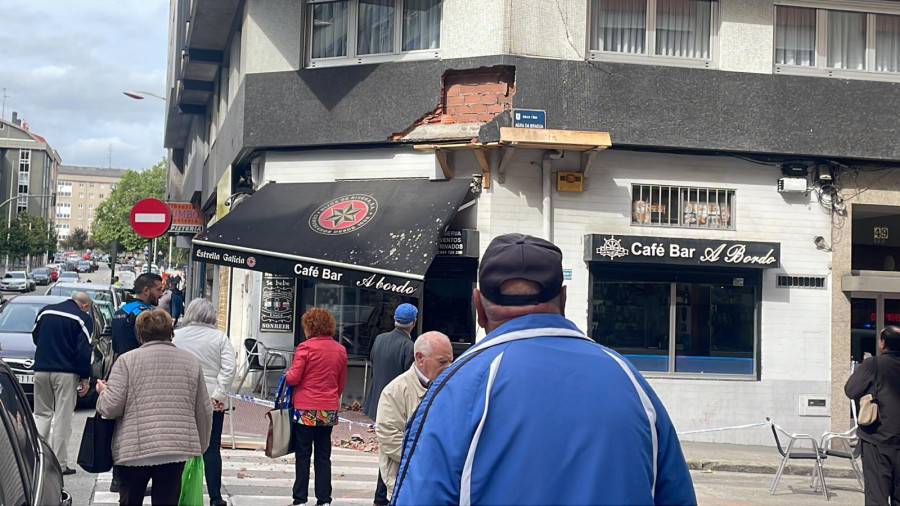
[{"x": 150, "y": 218}]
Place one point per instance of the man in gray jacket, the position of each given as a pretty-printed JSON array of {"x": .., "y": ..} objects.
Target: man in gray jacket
[{"x": 391, "y": 354}]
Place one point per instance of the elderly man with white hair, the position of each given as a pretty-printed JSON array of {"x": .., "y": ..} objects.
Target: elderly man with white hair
[
  {"x": 400, "y": 398},
  {"x": 200, "y": 336}
]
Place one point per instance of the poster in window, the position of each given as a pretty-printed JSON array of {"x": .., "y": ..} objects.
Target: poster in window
[{"x": 276, "y": 311}]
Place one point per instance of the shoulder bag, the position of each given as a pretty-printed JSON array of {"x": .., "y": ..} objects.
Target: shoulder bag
[
  {"x": 868, "y": 404},
  {"x": 278, "y": 436},
  {"x": 95, "y": 452}
]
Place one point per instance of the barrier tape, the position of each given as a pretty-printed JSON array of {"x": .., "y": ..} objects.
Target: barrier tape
[
  {"x": 271, "y": 405},
  {"x": 718, "y": 429}
]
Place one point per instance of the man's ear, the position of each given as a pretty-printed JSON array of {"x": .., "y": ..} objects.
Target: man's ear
[
  {"x": 562, "y": 301},
  {"x": 479, "y": 308}
]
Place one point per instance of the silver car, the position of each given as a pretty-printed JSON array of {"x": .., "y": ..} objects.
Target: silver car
[{"x": 18, "y": 281}]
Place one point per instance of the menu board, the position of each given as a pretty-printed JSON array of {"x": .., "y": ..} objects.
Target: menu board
[{"x": 276, "y": 309}]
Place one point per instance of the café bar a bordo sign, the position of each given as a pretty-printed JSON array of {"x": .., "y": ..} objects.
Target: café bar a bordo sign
[{"x": 679, "y": 251}]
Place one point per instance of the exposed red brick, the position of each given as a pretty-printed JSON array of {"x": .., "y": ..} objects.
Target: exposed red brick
[
  {"x": 455, "y": 100},
  {"x": 472, "y": 99}
]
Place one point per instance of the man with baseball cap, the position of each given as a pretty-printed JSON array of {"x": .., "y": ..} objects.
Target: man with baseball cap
[
  {"x": 536, "y": 412},
  {"x": 392, "y": 354}
]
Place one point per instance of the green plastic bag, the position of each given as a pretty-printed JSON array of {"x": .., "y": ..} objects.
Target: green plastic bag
[{"x": 192, "y": 483}]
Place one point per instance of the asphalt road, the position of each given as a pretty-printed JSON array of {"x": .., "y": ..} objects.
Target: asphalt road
[{"x": 102, "y": 275}]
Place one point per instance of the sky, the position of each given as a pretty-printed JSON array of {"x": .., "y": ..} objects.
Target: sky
[{"x": 65, "y": 64}]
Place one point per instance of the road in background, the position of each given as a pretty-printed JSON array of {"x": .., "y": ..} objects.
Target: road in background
[{"x": 101, "y": 276}]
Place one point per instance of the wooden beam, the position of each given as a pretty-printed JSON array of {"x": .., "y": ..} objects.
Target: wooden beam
[
  {"x": 485, "y": 167},
  {"x": 445, "y": 165},
  {"x": 504, "y": 163},
  {"x": 587, "y": 162},
  {"x": 575, "y": 140}
]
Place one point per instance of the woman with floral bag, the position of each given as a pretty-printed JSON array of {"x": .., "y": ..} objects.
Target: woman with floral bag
[{"x": 318, "y": 374}]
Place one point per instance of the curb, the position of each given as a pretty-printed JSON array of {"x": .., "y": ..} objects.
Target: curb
[{"x": 791, "y": 469}]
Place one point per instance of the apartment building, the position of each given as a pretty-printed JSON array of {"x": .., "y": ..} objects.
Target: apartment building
[
  {"x": 28, "y": 165},
  {"x": 720, "y": 175},
  {"x": 79, "y": 191}
]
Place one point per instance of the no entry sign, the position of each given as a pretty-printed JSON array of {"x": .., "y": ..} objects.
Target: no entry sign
[{"x": 150, "y": 218}]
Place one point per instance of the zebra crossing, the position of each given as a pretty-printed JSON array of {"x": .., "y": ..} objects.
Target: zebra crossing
[{"x": 251, "y": 478}]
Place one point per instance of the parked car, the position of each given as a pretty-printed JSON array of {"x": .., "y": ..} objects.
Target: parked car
[
  {"x": 31, "y": 473},
  {"x": 68, "y": 277},
  {"x": 19, "y": 281},
  {"x": 97, "y": 292},
  {"x": 17, "y": 347},
  {"x": 41, "y": 276},
  {"x": 83, "y": 266}
]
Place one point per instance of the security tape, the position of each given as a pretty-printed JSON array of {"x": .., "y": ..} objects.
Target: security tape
[
  {"x": 271, "y": 405},
  {"x": 718, "y": 429}
]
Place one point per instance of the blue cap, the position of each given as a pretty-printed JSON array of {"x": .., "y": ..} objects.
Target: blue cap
[{"x": 405, "y": 313}]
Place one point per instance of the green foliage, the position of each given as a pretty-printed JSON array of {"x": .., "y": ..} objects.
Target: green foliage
[
  {"x": 26, "y": 235},
  {"x": 111, "y": 221},
  {"x": 77, "y": 240}
]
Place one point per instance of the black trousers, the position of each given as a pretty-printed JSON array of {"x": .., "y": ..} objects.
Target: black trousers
[
  {"x": 381, "y": 492},
  {"x": 212, "y": 458},
  {"x": 166, "y": 484},
  {"x": 305, "y": 437},
  {"x": 881, "y": 469}
]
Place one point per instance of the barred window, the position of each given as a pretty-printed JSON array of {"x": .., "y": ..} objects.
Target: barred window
[{"x": 680, "y": 206}]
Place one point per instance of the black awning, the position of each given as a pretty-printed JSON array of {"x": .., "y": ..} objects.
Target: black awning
[{"x": 378, "y": 234}]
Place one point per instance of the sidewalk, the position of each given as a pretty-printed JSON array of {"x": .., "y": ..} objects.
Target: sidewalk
[{"x": 755, "y": 459}]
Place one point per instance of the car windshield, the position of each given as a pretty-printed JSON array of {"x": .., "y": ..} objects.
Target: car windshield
[
  {"x": 67, "y": 291},
  {"x": 18, "y": 318},
  {"x": 69, "y": 274},
  {"x": 14, "y": 275},
  {"x": 41, "y": 272}
]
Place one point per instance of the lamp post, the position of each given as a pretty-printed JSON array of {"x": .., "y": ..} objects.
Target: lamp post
[
  {"x": 139, "y": 95},
  {"x": 9, "y": 219}
]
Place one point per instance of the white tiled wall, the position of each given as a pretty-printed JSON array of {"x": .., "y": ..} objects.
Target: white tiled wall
[{"x": 330, "y": 165}]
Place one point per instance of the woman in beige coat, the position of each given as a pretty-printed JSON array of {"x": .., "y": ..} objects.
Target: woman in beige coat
[{"x": 158, "y": 395}]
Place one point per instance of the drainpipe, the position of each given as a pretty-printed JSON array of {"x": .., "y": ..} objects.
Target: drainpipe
[{"x": 546, "y": 166}]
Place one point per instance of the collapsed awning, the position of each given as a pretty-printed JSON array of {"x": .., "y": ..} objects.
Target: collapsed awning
[{"x": 376, "y": 234}]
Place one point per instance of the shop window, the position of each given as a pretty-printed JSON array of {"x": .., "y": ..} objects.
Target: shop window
[
  {"x": 837, "y": 43},
  {"x": 360, "y": 314},
  {"x": 674, "y": 32},
  {"x": 703, "y": 325},
  {"x": 676, "y": 206},
  {"x": 368, "y": 31}
]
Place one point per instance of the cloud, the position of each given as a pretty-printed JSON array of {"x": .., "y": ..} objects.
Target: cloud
[{"x": 65, "y": 65}]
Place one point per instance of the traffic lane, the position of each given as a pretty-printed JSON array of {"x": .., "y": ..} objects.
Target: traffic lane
[
  {"x": 101, "y": 276},
  {"x": 737, "y": 489}
]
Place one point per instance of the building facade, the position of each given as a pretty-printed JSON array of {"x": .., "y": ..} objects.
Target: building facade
[
  {"x": 79, "y": 190},
  {"x": 28, "y": 166},
  {"x": 690, "y": 157}
]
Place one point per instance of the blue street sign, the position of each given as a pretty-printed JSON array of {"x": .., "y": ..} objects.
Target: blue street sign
[{"x": 529, "y": 118}]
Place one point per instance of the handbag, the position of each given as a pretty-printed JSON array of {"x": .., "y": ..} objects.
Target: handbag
[
  {"x": 278, "y": 436},
  {"x": 95, "y": 452},
  {"x": 192, "y": 483},
  {"x": 868, "y": 404}
]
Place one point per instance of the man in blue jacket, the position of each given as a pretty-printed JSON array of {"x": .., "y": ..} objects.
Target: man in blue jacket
[
  {"x": 62, "y": 361},
  {"x": 536, "y": 412}
]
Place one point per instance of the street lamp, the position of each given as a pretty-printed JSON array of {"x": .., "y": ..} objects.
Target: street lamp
[{"x": 139, "y": 95}]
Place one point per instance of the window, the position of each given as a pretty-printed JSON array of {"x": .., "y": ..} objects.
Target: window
[
  {"x": 695, "y": 321},
  {"x": 80, "y": 216},
  {"x": 91, "y": 185},
  {"x": 678, "y": 206},
  {"x": 81, "y": 195},
  {"x": 100, "y": 196},
  {"x": 80, "y": 206},
  {"x": 90, "y": 206},
  {"x": 81, "y": 185},
  {"x": 674, "y": 32},
  {"x": 361, "y": 31},
  {"x": 90, "y": 195},
  {"x": 63, "y": 210},
  {"x": 113, "y": 186},
  {"x": 838, "y": 43},
  {"x": 24, "y": 179}
]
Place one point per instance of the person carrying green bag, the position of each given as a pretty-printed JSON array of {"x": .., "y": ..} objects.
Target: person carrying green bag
[{"x": 192, "y": 483}]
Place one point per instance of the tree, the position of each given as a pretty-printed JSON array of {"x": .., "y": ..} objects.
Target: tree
[
  {"x": 26, "y": 235},
  {"x": 111, "y": 221},
  {"x": 77, "y": 240}
]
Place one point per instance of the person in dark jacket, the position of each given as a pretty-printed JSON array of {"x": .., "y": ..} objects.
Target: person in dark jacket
[
  {"x": 392, "y": 355},
  {"x": 880, "y": 376},
  {"x": 148, "y": 288},
  {"x": 62, "y": 360}
]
